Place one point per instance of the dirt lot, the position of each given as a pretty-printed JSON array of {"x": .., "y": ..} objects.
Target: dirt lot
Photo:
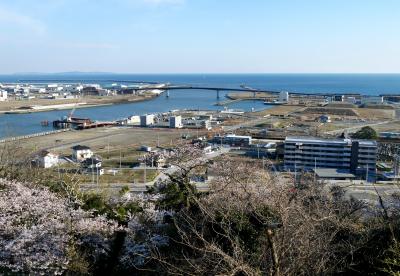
[
  {"x": 101, "y": 139},
  {"x": 362, "y": 113},
  {"x": 280, "y": 110},
  {"x": 375, "y": 114},
  {"x": 390, "y": 127},
  {"x": 330, "y": 111}
]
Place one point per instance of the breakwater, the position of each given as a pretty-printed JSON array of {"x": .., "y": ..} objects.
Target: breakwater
[{"x": 17, "y": 138}]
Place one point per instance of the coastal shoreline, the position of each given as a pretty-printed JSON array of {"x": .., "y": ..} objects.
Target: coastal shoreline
[{"x": 89, "y": 104}]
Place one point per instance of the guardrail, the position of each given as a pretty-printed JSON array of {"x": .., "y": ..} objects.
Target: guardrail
[{"x": 17, "y": 138}]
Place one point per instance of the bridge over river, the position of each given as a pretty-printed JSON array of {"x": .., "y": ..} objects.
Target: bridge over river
[
  {"x": 239, "y": 89},
  {"x": 150, "y": 85}
]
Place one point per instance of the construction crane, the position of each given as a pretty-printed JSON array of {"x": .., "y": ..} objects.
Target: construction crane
[{"x": 69, "y": 117}]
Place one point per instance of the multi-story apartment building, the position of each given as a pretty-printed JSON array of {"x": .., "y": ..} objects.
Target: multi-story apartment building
[{"x": 307, "y": 153}]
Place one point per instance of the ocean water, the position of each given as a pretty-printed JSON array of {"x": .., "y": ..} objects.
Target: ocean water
[
  {"x": 21, "y": 124},
  {"x": 368, "y": 84}
]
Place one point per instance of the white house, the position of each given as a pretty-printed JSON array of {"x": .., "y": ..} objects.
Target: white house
[
  {"x": 81, "y": 153},
  {"x": 3, "y": 95},
  {"x": 47, "y": 159}
]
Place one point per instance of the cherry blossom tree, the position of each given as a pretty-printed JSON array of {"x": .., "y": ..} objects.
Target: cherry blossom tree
[{"x": 38, "y": 230}]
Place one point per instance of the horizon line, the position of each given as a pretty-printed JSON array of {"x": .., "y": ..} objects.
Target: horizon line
[{"x": 200, "y": 73}]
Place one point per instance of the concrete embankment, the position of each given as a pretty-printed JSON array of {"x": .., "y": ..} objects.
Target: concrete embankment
[{"x": 17, "y": 138}]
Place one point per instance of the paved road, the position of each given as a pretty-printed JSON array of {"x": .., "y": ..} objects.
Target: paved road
[{"x": 369, "y": 192}]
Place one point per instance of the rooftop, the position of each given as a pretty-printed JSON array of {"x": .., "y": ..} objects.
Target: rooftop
[
  {"x": 44, "y": 153},
  {"x": 79, "y": 147},
  {"x": 333, "y": 173},
  {"x": 92, "y": 161},
  {"x": 366, "y": 142},
  {"x": 237, "y": 136},
  {"x": 308, "y": 139}
]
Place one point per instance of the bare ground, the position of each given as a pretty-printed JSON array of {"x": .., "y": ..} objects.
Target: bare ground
[
  {"x": 101, "y": 138},
  {"x": 12, "y": 105}
]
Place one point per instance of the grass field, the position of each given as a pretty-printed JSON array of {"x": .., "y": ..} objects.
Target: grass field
[{"x": 123, "y": 176}]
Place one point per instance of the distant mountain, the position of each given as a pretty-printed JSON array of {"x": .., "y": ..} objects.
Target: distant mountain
[{"x": 65, "y": 73}]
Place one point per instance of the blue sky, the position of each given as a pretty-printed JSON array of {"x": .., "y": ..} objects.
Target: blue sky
[{"x": 200, "y": 36}]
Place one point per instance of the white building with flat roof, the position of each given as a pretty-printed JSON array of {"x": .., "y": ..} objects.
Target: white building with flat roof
[
  {"x": 175, "y": 122},
  {"x": 147, "y": 120},
  {"x": 3, "y": 95},
  {"x": 284, "y": 96},
  {"x": 47, "y": 159},
  {"x": 81, "y": 153}
]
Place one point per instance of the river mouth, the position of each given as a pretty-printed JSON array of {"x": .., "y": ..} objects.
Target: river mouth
[
  {"x": 28, "y": 123},
  {"x": 23, "y": 124}
]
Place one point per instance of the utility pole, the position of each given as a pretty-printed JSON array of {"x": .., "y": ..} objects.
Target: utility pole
[
  {"x": 120, "y": 159},
  {"x": 315, "y": 168},
  {"x": 97, "y": 175},
  {"x": 92, "y": 171},
  {"x": 144, "y": 173}
]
